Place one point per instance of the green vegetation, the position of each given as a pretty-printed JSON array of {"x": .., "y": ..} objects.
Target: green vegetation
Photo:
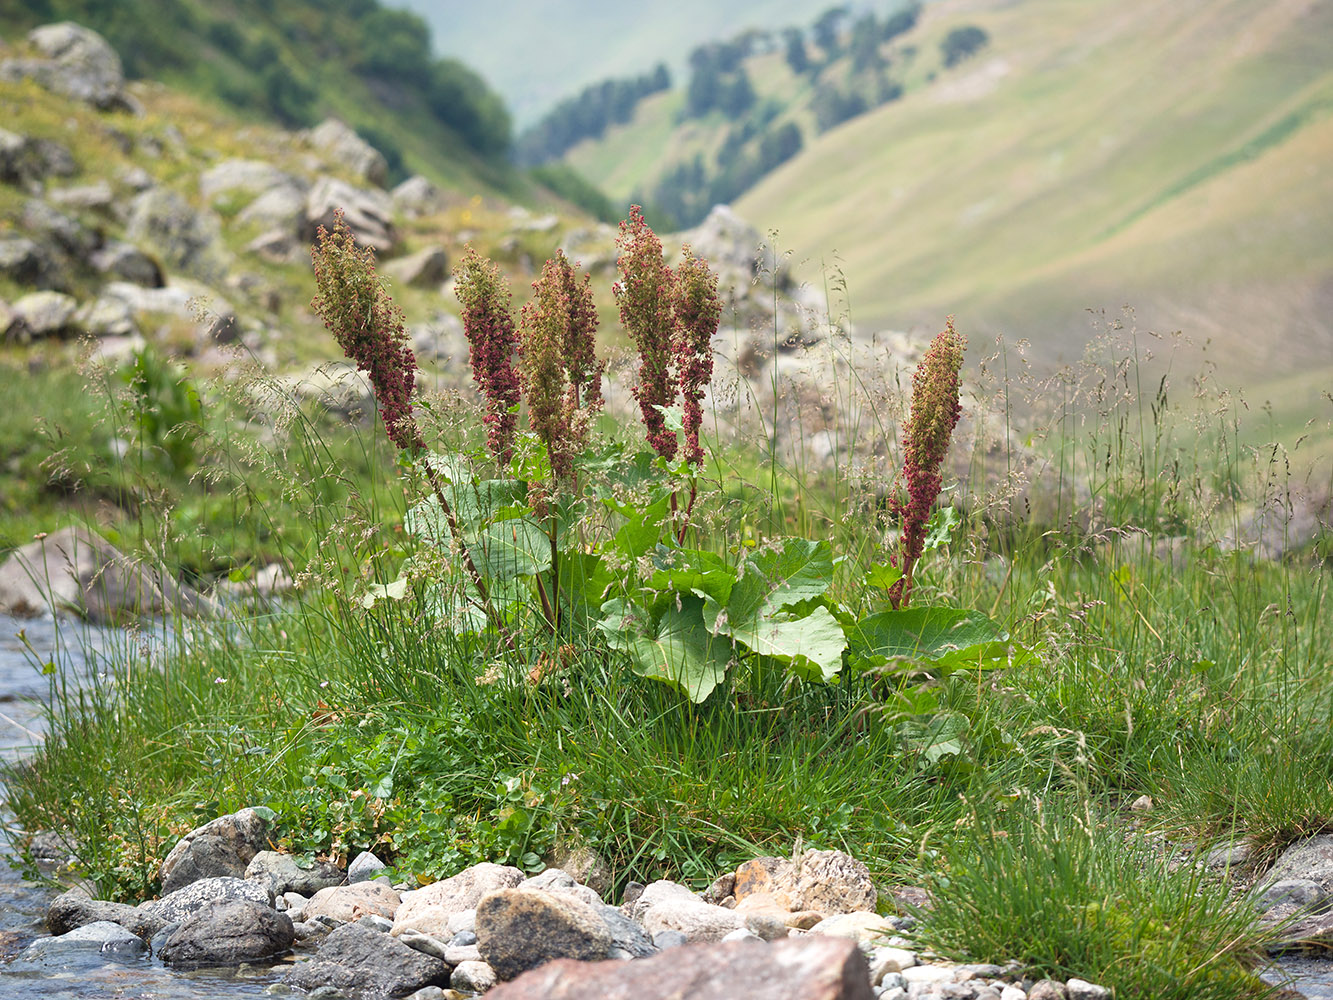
[
  {"x": 297, "y": 62},
  {"x": 377, "y": 708},
  {"x": 588, "y": 115}
]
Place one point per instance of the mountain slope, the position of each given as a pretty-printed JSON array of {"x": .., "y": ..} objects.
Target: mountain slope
[{"x": 1170, "y": 157}]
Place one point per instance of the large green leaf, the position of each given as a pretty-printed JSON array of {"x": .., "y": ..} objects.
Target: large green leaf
[
  {"x": 772, "y": 580},
  {"x": 475, "y": 505},
  {"x": 676, "y": 649},
  {"x": 947, "y": 637},
  {"x": 642, "y": 527},
  {"x": 518, "y": 547},
  {"x": 692, "y": 571},
  {"x": 811, "y": 645}
]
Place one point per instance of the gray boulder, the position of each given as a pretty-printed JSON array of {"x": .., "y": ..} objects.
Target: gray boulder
[
  {"x": 345, "y": 147},
  {"x": 45, "y": 220},
  {"x": 280, "y": 208},
  {"x": 364, "y": 867},
  {"x": 79, "y": 64},
  {"x": 346, "y": 903},
  {"x": 668, "y": 906},
  {"x": 25, "y": 161},
  {"x": 102, "y": 938},
  {"x": 74, "y": 909},
  {"x": 241, "y": 175},
  {"x": 798, "y": 969},
  {"x": 187, "y": 239},
  {"x": 96, "y": 196},
  {"x": 223, "y": 846},
  {"x": 228, "y": 932},
  {"x": 416, "y": 197},
  {"x": 24, "y": 262},
  {"x": 105, "y": 317},
  {"x": 368, "y": 213},
  {"x": 520, "y": 929},
  {"x": 180, "y": 904},
  {"x": 42, "y": 314},
  {"x": 128, "y": 263},
  {"x": 424, "y": 269},
  {"x": 285, "y": 874},
  {"x": 211, "y": 315},
  {"x": 357, "y": 957}
]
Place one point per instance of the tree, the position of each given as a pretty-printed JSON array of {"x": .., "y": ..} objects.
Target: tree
[
  {"x": 865, "y": 44},
  {"x": 797, "y": 58},
  {"x": 825, "y": 30},
  {"x": 962, "y": 42},
  {"x": 900, "y": 22}
]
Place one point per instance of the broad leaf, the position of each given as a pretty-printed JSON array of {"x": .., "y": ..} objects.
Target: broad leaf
[
  {"x": 642, "y": 527},
  {"x": 811, "y": 645},
  {"x": 393, "y": 591},
  {"x": 677, "y": 649},
  {"x": 692, "y": 571},
  {"x": 518, "y": 547},
  {"x": 772, "y": 580},
  {"x": 947, "y": 637}
]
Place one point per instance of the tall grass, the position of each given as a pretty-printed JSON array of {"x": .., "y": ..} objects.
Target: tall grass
[{"x": 1102, "y": 522}]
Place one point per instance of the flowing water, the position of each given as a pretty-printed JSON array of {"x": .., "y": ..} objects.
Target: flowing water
[{"x": 79, "y": 651}]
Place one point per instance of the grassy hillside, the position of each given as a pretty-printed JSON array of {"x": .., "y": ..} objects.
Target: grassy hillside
[{"x": 1164, "y": 156}]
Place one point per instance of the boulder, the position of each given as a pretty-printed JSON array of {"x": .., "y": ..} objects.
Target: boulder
[
  {"x": 280, "y": 208},
  {"x": 74, "y": 909},
  {"x": 346, "y": 148},
  {"x": 731, "y": 245},
  {"x": 364, "y": 867},
  {"x": 187, "y": 239},
  {"x": 97, "y": 196},
  {"x": 41, "y": 219},
  {"x": 101, "y": 938},
  {"x": 180, "y": 904},
  {"x": 355, "y": 957},
  {"x": 429, "y": 909},
  {"x": 799, "y": 969},
  {"x": 42, "y": 314},
  {"x": 228, "y": 932},
  {"x": 222, "y": 846},
  {"x": 284, "y": 874},
  {"x": 242, "y": 175},
  {"x": 583, "y": 864},
  {"x": 863, "y": 926},
  {"x": 105, "y": 317},
  {"x": 442, "y": 340},
  {"x": 424, "y": 269},
  {"x": 668, "y": 906},
  {"x": 128, "y": 263},
  {"x": 368, "y": 213},
  {"x": 1311, "y": 859},
  {"x": 24, "y": 262},
  {"x": 211, "y": 315},
  {"x": 346, "y": 903},
  {"x": 79, "y": 64},
  {"x": 25, "y": 160},
  {"x": 416, "y": 197}
]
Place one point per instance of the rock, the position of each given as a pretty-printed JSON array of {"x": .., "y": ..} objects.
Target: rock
[
  {"x": 74, "y": 570},
  {"x": 1294, "y": 894},
  {"x": 1081, "y": 989},
  {"x": 433, "y": 946},
  {"x": 180, "y": 904},
  {"x": 284, "y": 874},
  {"x": 797, "y": 969},
  {"x": 424, "y": 269},
  {"x": 228, "y": 932},
  {"x": 729, "y": 243},
  {"x": 41, "y": 218},
  {"x": 223, "y": 846},
  {"x": 1313, "y": 934},
  {"x": 825, "y": 881},
  {"x": 472, "y": 977},
  {"x": 926, "y": 974},
  {"x": 256, "y": 176},
  {"x": 42, "y": 314},
  {"x": 1048, "y": 989},
  {"x": 354, "y": 957},
  {"x": 187, "y": 239},
  {"x": 74, "y": 909},
  {"x": 416, "y": 197},
  {"x": 722, "y": 887},
  {"x": 96, "y": 196},
  {"x": 100, "y": 937},
  {"x": 104, "y": 317},
  {"x": 1012, "y": 992},
  {"x": 863, "y": 926},
  {"x": 667, "y": 906},
  {"x": 346, "y": 903},
  {"x": 1311, "y": 859},
  {"x": 559, "y": 881},
  {"x": 79, "y": 64},
  {"x": 368, "y": 213},
  {"x": 442, "y": 340},
  {"x": 24, "y": 262},
  {"x": 348, "y": 149},
  {"x": 114, "y": 351},
  {"x": 128, "y": 263},
  {"x": 519, "y": 929},
  {"x": 211, "y": 315},
  {"x": 25, "y": 160},
  {"x": 885, "y": 960},
  {"x": 280, "y": 209},
  {"x": 430, "y": 909},
  {"x": 364, "y": 867}
]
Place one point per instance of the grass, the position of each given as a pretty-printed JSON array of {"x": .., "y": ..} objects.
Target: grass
[{"x": 1201, "y": 681}]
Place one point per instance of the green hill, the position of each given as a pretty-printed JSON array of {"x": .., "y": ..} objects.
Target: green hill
[
  {"x": 1168, "y": 157},
  {"x": 301, "y": 60}
]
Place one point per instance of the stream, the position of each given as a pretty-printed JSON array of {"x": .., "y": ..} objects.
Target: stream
[{"x": 78, "y": 649}]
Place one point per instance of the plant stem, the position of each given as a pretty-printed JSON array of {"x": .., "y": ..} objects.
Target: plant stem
[{"x": 457, "y": 534}]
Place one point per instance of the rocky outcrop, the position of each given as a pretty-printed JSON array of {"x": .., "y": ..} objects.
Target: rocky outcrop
[
  {"x": 343, "y": 146},
  {"x": 358, "y": 957},
  {"x": 429, "y": 910},
  {"x": 367, "y": 212},
  {"x": 180, "y": 904},
  {"x": 76, "y": 62},
  {"x": 25, "y": 160},
  {"x": 186, "y": 239},
  {"x": 283, "y": 873}
]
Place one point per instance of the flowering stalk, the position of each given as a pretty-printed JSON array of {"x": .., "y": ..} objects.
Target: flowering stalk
[
  {"x": 368, "y": 326},
  {"x": 934, "y": 414},
  {"x": 489, "y": 325},
  {"x": 562, "y": 381},
  {"x": 644, "y": 294},
  {"x": 698, "y": 311}
]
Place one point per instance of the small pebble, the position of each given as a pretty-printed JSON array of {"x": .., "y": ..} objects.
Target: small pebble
[
  {"x": 377, "y": 922},
  {"x": 462, "y": 938},
  {"x": 475, "y": 977},
  {"x": 741, "y": 934},
  {"x": 1081, "y": 989},
  {"x": 1012, "y": 992},
  {"x": 426, "y": 944},
  {"x": 460, "y": 953}
]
